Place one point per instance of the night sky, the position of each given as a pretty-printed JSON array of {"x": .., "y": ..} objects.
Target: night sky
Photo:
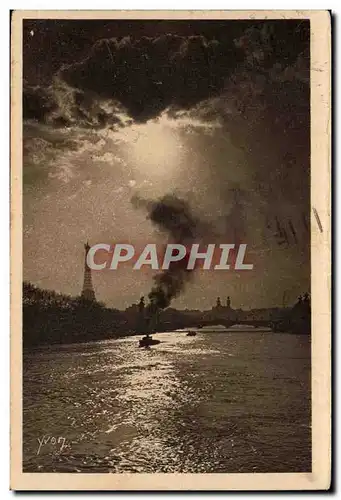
[{"x": 216, "y": 112}]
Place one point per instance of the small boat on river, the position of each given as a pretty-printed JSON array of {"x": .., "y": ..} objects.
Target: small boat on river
[
  {"x": 147, "y": 341},
  {"x": 191, "y": 334}
]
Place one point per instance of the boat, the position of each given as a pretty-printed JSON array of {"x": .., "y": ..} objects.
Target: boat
[
  {"x": 191, "y": 334},
  {"x": 147, "y": 341}
]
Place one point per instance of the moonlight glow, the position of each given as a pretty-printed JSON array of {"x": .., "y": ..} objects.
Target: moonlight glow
[{"x": 154, "y": 145}]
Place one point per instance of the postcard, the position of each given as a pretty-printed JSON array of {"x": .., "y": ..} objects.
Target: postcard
[{"x": 170, "y": 250}]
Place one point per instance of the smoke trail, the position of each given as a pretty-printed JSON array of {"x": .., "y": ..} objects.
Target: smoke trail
[{"x": 173, "y": 216}]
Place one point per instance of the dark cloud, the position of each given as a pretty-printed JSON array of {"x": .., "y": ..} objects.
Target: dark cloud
[
  {"x": 147, "y": 75},
  {"x": 37, "y": 102},
  {"x": 63, "y": 106},
  {"x": 150, "y": 74}
]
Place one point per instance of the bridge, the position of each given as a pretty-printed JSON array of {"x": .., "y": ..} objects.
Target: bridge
[
  {"x": 229, "y": 323},
  {"x": 183, "y": 321},
  {"x": 294, "y": 319}
]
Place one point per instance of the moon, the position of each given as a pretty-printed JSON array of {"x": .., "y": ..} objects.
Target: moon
[{"x": 154, "y": 146}]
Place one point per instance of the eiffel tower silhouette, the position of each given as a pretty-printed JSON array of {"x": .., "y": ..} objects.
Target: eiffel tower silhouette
[{"x": 88, "y": 290}]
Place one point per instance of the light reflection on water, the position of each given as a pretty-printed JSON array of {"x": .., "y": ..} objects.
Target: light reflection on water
[{"x": 217, "y": 402}]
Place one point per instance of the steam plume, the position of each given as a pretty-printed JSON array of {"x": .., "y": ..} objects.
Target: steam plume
[{"x": 173, "y": 216}]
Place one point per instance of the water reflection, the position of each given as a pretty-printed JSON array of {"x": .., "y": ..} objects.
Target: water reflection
[{"x": 211, "y": 403}]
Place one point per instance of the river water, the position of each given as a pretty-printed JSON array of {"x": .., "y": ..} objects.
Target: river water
[{"x": 223, "y": 401}]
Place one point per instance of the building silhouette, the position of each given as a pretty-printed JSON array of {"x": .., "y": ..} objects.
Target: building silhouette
[
  {"x": 223, "y": 311},
  {"x": 88, "y": 290}
]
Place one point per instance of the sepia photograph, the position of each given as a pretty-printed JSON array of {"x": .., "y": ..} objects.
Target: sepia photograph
[{"x": 165, "y": 221}]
